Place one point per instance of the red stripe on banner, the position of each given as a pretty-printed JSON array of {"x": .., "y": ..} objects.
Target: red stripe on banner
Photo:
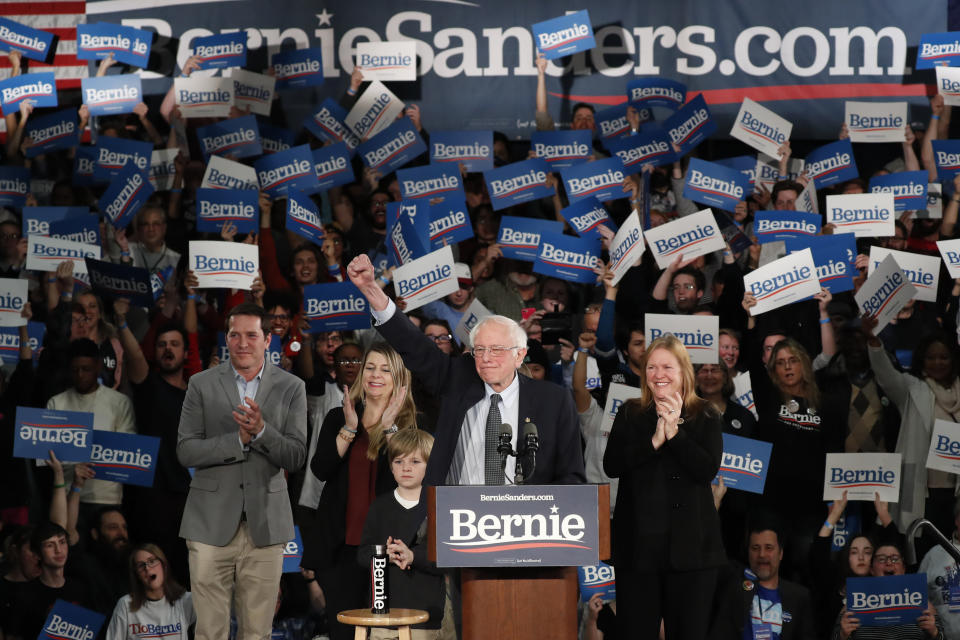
[
  {"x": 781, "y": 92},
  {"x": 41, "y": 8},
  {"x": 71, "y": 83}
]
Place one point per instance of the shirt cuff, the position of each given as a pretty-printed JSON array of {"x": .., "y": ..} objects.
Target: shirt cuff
[
  {"x": 380, "y": 317},
  {"x": 259, "y": 433}
]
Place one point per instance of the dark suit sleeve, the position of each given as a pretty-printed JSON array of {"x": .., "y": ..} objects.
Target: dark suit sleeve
[
  {"x": 326, "y": 461},
  {"x": 419, "y": 353},
  {"x": 698, "y": 450},
  {"x": 629, "y": 445},
  {"x": 802, "y": 614},
  {"x": 569, "y": 467}
]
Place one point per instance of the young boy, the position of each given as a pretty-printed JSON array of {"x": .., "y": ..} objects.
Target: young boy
[{"x": 414, "y": 582}]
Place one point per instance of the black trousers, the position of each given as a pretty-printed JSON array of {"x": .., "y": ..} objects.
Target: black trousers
[{"x": 681, "y": 598}]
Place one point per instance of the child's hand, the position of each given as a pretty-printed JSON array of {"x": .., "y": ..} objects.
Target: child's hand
[{"x": 399, "y": 553}]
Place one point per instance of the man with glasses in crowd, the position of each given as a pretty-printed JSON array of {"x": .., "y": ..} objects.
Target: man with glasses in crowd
[{"x": 438, "y": 330}]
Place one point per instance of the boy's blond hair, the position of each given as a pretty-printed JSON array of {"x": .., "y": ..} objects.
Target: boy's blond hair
[{"x": 406, "y": 441}]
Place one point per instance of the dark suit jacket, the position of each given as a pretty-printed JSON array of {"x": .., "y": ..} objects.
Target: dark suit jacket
[
  {"x": 456, "y": 382},
  {"x": 665, "y": 518},
  {"x": 735, "y": 596}
]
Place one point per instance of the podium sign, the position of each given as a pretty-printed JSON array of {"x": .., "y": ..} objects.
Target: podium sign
[{"x": 516, "y": 526}]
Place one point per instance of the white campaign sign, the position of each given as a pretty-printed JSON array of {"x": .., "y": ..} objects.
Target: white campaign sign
[
  {"x": 760, "y": 128},
  {"x": 627, "y": 247},
  {"x": 690, "y": 236},
  {"x": 200, "y": 97},
  {"x": 922, "y": 271},
  {"x": 44, "y": 254},
  {"x": 743, "y": 392},
  {"x": 388, "y": 60},
  {"x": 616, "y": 396},
  {"x": 944, "y": 454},
  {"x": 807, "y": 200},
  {"x": 162, "y": 169},
  {"x": 474, "y": 314},
  {"x": 934, "y": 210},
  {"x": 767, "y": 171},
  {"x": 885, "y": 292},
  {"x": 782, "y": 282},
  {"x": 950, "y": 251},
  {"x": 13, "y": 295},
  {"x": 697, "y": 333},
  {"x": 251, "y": 90},
  {"x": 374, "y": 111},
  {"x": 426, "y": 279},
  {"x": 224, "y": 265},
  {"x": 864, "y": 214},
  {"x": 876, "y": 121},
  {"x": 948, "y": 84},
  {"x": 862, "y": 475},
  {"x": 227, "y": 174}
]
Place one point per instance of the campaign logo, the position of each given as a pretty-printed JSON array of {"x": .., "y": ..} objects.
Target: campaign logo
[
  {"x": 886, "y": 292},
  {"x": 760, "y": 128},
  {"x": 690, "y": 125},
  {"x": 909, "y": 189},
  {"x": 599, "y": 578},
  {"x": 227, "y": 174},
  {"x": 298, "y": 68},
  {"x": 863, "y": 214},
  {"x": 922, "y": 271},
  {"x": 44, "y": 254},
  {"x": 14, "y": 186},
  {"x": 238, "y": 137},
  {"x": 562, "y": 149},
  {"x": 37, "y": 220},
  {"x": 833, "y": 256},
  {"x": 127, "y": 44},
  {"x": 875, "y": 121},
  {"x": 393, "y": 147},
  {"x": 163, "y": 168},
  {"x": 887, "y": 600},
  {"x": 388, "y": 60},
  {"x": 404, "y": 241},
  {"x": 622, "y": 248},
  {"x": 744, "y": 463},
  {"x": 650, "y": 147},
  {"x": 116, "y": 154},
  {"x": 333, "y": 167},
  {"x": 293, "y": 553},
  {"x": 430, "y": 181},
  {"x": 203, "y": 97},
  {"x": 328, "y": 124},
  {"x": 449, "y": 223},
  {"x": 13, "y": 295},
  {"x": 938, "y": 49},
  {"x": 84, "y": 229},
  {"x": 124, "y": 197},
  {"x": 770, "y": 226},
  {"x": 567, "y": 257},
  {"x": 946, "y": 153},
  {"x": 777, "y": 285},
  {"x": 32, "y": 43},
  {"x": 274, "y": 138},
  {"x": 217, "y": 207},
  {"x": 124, "y": 457},
  {"x": 613, "y": 123},
  {"x": 39, "y": 88},
  {"x": 946, "y": 448},
  {"x": 691, "y": 236},
  {"x": 657, "y": 92},
  {"x": 519, "y": 237},
  {"x": 692, "y": 340},
  {"x": 602, "y": 179},
  {"x": 280, "y": 172},
  {"x": 52, "y": 132},
  {"x": 335, "y": 306},
  {"x": 83, "y": 162},
  {"x": 832, "y": 164},
  {"x": 303, "y": 217},
  {"x": 473, "y": 149},
  {"x": 564, "y": 36},
  {"x": 67, "y": 433},
  {"x": 111, "y": 94},
  {"x": 715, "y": 185},
  {"x": 67, "y": 621},
  {"x": 586, "y": 215},
  {"x": 221, "y": 50},
  {"x": 253, "y": 91},
  {"x": 430, "y": 274},
  {"x": 10, "y": 342},
  {"x": 210, "y": 260},
  {"x": 518, "y": 182}
]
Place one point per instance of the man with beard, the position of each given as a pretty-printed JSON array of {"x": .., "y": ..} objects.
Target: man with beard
[
  {"x": 366, "y": 231},
  {"x": 104, "y": 564}
]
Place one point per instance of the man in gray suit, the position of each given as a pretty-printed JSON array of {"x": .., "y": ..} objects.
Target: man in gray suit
[{"x": 243, "y": 423}]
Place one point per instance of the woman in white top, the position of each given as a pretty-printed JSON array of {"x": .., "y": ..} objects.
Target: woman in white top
[{"x": 156, "y": 607}]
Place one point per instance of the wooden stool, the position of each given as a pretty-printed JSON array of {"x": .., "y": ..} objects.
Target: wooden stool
[{"x": 361, "y": 619}]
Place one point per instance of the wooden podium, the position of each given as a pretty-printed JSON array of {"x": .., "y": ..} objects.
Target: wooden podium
[{"x": 522, "y": 602}]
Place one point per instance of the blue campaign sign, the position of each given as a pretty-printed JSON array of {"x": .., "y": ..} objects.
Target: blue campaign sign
[
  {"x": 238, "y": 137},
  {"x": 110, "y": 95},
  {"x": 287, "y": 170},
  {"x": 333, "y": 166},
  {"x": 124, "y": 197},
  {"x": 715, "y": 185},
  {"x": 647, "y": 147},
  {"x": 938, "y": 50},
  {"x": 393, "y": 147},
  {"x": 67, "y": 621},
  {"x": 847, "y": 527},
  {"x": 293, "y": 552},
  {"x": 303, "y": 218},
  {"x": 690, "y": 125},
  {"x": 298, "y": 68},
  {"x": 51, "y": 132},
  {"x": 832, "y": 163},
  {"x": 473, "y": 149},
  {"x": 834, "y": 256},
  {"x": 32, "y": 43},
  {"x": 747, "y": 165},
  {"x": 519, "y": 238},
  {"x": 67, "y": 433},
  {"x": 327, "y": 124},
  {"x": 730, "y": 231},
  {"x": 10, "y": 342},
  {"x": 274, "y": 138},
  {"x": 449, "y": 223},
  {"x": 909, "y": 189},
  {"x": 221, "y": 50},
  {"x": 568, "y": 257},
  {"x": 116, "y": 154},
  {"x": 127, "y": 458},
  {"x": 84, "y": 228},
  {"x": 562, "y": 149},
  {"x": 612, "y": 122},
  {"x": 598, "y": 578},
  {"x": 14, "y": 186},
  {"x": 120, "y": 281},
  {"x": 217, "y": 207},
  {"x": 431, "y": 181},
  {"x": 408, "y": 235},
  {"x": 517, "y": 183},
  {"x": 946, "y": 153},
  {"x": 37, "y": 220},
  {"x": 39, "y": 88},
  {"x": 83, "y": 162},
  {"x": 656, "y": 92},
  {"x": 586, "y": 215},
  {"x": 335, "y": 306},
  {"x": 101, "y": 39},
  {"x": 887, "y": 600},
  {"x": 744, "y": 463},
  {"x": 772, "y": 225},
  {"x": 564, "y": 36},
  {"x": 417, "y": 212}
]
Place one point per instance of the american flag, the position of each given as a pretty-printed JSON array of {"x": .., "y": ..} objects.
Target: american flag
[{"x": 59, "y": 18}]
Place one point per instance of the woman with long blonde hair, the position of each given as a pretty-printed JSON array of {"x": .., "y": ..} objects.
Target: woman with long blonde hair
[{"x": 665, "y": 447}]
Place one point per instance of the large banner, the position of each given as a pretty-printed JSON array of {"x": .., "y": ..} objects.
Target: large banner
[{"x": 485, "y": 48}]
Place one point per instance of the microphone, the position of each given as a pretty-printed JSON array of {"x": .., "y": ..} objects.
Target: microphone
[
  {"x": 531, "y": 444},
  {"x": 506, "y": 435}
]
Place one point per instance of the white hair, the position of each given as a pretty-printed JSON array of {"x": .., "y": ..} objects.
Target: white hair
[{"x": 517, "y": 333}]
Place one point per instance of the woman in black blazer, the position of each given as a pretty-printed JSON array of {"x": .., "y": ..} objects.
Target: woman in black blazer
[{"x": 666, "y": 447}]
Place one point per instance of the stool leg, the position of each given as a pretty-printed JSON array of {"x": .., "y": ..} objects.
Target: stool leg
[
  {"x": 359, "y": 633},
  {"x": 404, "y": 632}
]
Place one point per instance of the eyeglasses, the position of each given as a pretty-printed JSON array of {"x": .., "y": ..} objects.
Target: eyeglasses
[
  {"x": 149, "y": 564},
  {"x": 350, "y": 361},
  {"x": 887, "y": 559},
  {"x": 782, "y": 363},
  {"x": 442, "y": 338},
  {"x": 684, "y": 287},
  {"x": 494, "y": 352},
  {"x": 279, "y": 316}
]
